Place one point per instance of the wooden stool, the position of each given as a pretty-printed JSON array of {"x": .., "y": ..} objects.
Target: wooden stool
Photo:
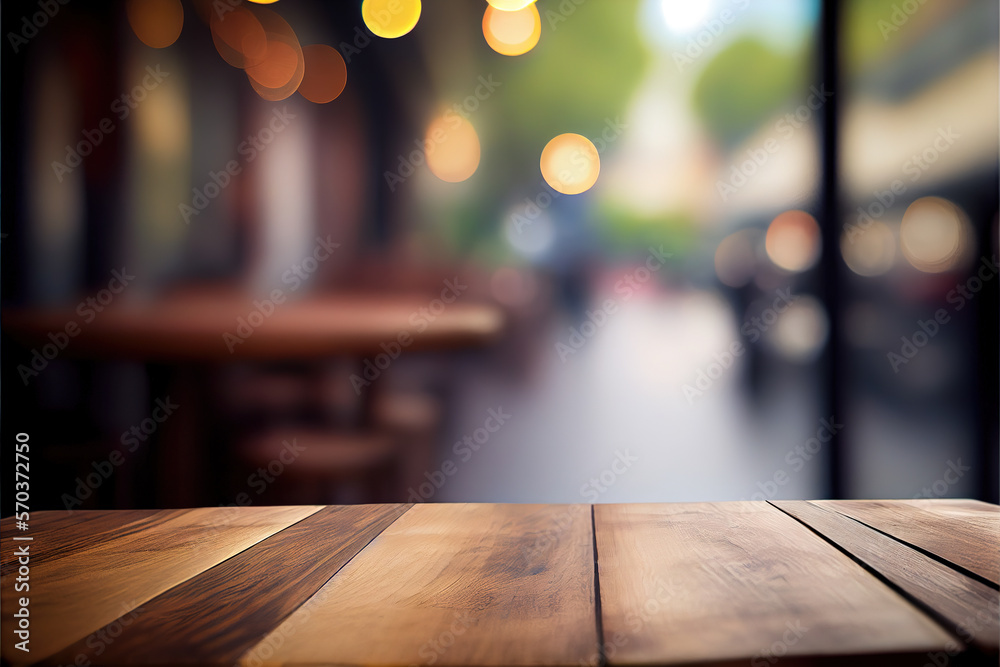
[{"x": 304, "y": 465}]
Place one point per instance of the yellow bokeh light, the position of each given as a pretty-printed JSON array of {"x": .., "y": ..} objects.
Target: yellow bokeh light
[
  {"x": 869, "y": 252},
  {"x": 264, "y": 2},
  {"x": 452, "y": 148},
  {"x": 570, "y": 164},
  {"x": 793, "y": 241},
  {"x": 390, "y": 18},
  {"x": 157, "y": 23},
  {"x": 512, "y": 33},
  {"x": 510, "y": 5},
  {"x": 934, "y": 235}
]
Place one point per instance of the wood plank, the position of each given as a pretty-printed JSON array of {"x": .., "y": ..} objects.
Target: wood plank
[
  {"x": 73, "y": 596},
  {"x": 87, "y": 526},
  {"x": 975, "y": 512},
  {"x": 969, "y": 608},
  {"x": 719, "y": 583},
  {"x": 462, "y": 584},
  {"x": 220, "y": 613},
  {"x": 970, "y": 545}
]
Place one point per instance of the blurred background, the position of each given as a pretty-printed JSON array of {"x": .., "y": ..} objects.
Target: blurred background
[{"x": 562, "y": 251}]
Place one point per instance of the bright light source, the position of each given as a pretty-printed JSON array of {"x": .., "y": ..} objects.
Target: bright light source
[
  {"x": 390, "y": 18},
  {"x": 570, "y": 164},
  {"x": 683, "y": 16},
  {"x": 793, "y": 241}
]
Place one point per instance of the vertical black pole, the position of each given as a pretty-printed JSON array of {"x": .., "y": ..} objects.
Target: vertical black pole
[{"x": 829, "y": 219}]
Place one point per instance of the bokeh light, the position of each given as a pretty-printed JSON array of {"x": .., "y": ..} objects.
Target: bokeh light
[
  {"x": 793, "y": 241},
  {"x": 280, "y": 73},
  {"x": 570, "y": 164},
  {"x": 390, "y": 18},
  {"x": 239, "y": 37},
  {"x": 800, "y": 332},
  {"x": 512, "y": 33},
  {"x": 452, "y": 148},
  {"x": 325, "y": 76},
  {"x": 869, "y": 252},
  {"x": 736, "y": 258},
  {"x": 530, "y": 237},
  {"x": 510, "y": 5},
  {"x": 264, "y": 2},
  {"x": 934, "y": 235},
  {"x": 682, "y": 16},
  {"x": 157, "y": 23}
]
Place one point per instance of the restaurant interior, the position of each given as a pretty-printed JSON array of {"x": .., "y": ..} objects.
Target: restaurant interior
[{"x": 562, "y": 251}]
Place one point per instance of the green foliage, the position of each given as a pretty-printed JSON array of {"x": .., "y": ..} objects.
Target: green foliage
[{"x": 744, "y": 85}]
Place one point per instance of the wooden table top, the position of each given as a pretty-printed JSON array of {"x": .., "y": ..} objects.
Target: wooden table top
[
  {"x": 795, "y": 582},
  {"x": 191, "y": 326}
]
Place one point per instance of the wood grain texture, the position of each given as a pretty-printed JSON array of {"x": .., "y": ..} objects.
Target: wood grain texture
[
  {"x": 85, "y": 527},
  {"x": 720, "y": 583},
  {"x": 969, "y": 608},
  {"x": 464, "y": 584},
  {"x": 215, "y": 616},
  {"x": 111, "y": 576},
  {"x": 972, "y": 545}
]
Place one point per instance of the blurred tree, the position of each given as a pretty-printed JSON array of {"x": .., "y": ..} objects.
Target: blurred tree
[{"x": 744, "y": 85}]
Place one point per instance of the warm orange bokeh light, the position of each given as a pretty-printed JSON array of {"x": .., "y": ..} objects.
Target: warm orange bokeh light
[
  {"x": 512, "y": 33},
  {"x": 390, "y": 18},
  {"x": 793, "y": 241},
  {"x": 570, "y": 164},
  {"x": 239, "y": 37},
  {"x": 510, "y": 5},
  {"x": 453, "y": 149},
  {"x": 326, "y": 74},
  {"x": 278, "y": 67},
  {"x": 157, "y": 23},
  {"x": 283, "y": 67}
]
